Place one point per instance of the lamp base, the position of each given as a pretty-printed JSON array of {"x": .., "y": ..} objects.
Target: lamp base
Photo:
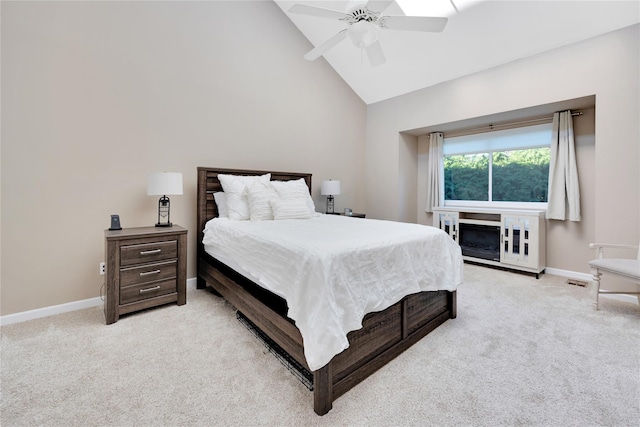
[
  {"x": 163, "y": 212},
  {"x": 330, "y": 205}
]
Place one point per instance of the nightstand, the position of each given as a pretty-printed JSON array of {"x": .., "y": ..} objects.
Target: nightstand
[{"x": 146, "y": 267}]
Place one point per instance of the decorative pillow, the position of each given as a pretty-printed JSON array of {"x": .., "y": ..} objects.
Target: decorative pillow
[
  {"x": 221, "y": 202},
  {"x": 295, "y": 208},
  {"x": 295, "y": 190},
  {"x": 234, "y": 186},
  {"x": 259, "y": 195}
]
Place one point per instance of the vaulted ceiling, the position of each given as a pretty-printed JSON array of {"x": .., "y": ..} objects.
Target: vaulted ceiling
[{"x": 478, "y": 36}]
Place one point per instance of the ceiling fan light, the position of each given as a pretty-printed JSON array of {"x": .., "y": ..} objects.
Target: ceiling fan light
[{"x": 363, "y": 33}]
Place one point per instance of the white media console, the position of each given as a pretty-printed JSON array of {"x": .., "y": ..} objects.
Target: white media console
[{"x": 508, "y": 238}]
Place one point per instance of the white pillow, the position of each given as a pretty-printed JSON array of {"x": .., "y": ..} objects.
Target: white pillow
[
  {"x": 295, "y": 190},
  {"x": 234, "y": 186},
  {"x": 259, "y": 195},
  {"x": 296, "y": 208},
  {"x": 221, "y": 202}
]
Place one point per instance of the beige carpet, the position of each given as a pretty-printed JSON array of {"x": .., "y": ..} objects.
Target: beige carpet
[{"x": 522, "y": 352}]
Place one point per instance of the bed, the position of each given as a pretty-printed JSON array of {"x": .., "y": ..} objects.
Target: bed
[{"x": 384, "y": 334}]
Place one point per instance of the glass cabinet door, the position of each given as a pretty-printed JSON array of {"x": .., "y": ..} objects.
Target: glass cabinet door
[
  {"x": 448, "y": 222},
  {"x": 516, "y": 241}
]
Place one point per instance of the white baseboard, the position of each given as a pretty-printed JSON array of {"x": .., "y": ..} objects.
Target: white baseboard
[
  {"x": 49, "y": 311},
  {"x": 570, "y": 274},
  {"x": 60, "y": 308},
  {"x": 588, "y": 278}
]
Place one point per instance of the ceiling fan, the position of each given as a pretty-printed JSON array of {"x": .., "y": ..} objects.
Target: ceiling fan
[{"x": 363, "y": 25}]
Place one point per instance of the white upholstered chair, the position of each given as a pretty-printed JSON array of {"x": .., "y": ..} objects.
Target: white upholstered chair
[{"x": 622, "y": 267}]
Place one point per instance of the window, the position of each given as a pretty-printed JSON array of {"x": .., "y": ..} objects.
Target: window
[{"x": 505, "y": 166}]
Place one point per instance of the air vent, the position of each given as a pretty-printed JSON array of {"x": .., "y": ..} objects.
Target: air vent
[{"x": 577, "y": 282}]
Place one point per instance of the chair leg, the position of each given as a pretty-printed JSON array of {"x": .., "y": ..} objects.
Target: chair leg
[{"x": 596, "y": 280}]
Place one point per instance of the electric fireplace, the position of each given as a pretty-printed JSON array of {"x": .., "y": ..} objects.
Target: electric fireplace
[{"x": 480, "y": 241}]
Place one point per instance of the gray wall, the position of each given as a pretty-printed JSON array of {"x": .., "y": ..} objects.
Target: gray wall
[{"x": 96, "y": 95}]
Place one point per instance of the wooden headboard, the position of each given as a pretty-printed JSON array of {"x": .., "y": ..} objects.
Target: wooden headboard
[{"x": 208, "y": 184}]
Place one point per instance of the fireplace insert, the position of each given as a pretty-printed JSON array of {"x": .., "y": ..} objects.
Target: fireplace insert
[{"x": 480, "y": 241}]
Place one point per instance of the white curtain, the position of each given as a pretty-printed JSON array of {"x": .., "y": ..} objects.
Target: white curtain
[
  {"x": 564, "y": 189},
  {"x": 435, "y": 173}
]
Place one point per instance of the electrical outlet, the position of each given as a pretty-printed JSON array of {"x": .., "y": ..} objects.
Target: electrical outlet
[{"x": 103, "y": 268}]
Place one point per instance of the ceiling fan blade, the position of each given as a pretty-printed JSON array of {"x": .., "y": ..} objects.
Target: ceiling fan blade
[
  {"x": 375, "y": 54},
  {"x": 413, "y": 23},
  {"x": 316, "y": 52},
  {"x": 320, "y": 12}
]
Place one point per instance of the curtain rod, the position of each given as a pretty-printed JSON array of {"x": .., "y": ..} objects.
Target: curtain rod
[{"x": 502, "y": 126}]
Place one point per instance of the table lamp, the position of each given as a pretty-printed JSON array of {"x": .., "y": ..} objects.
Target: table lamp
[
  {"x": 330, "y": 188},
  {"x": 163, "y": 184}
]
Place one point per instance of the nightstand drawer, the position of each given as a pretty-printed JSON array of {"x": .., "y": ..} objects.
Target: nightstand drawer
[
  {"x": 148, "y": 252},
  {"x": 147, "y": 290},
  {"x": 148, "y": 273}
]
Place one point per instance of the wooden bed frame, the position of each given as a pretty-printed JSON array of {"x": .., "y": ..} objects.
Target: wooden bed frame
[{"x": 384, "y": 334}]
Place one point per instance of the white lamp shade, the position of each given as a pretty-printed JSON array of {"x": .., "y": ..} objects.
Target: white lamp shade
[
  {"x": 330, "y": 188},
  {"x": 164, "y": 184}
]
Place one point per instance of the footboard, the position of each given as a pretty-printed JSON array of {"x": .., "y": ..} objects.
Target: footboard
[{"x": 384, "y": 335}]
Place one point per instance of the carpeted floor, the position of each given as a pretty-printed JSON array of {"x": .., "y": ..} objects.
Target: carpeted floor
[{"x": 521, "y": 352}]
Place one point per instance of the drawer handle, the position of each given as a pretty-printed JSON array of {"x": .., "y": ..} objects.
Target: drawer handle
[
  {"x": 155, "y": 288},
  {"x": 153, "y": 251},
  {"x": 146, "y": 273}
]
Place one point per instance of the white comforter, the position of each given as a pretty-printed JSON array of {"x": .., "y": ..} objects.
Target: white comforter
[{"x": 332, "y": 270}]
